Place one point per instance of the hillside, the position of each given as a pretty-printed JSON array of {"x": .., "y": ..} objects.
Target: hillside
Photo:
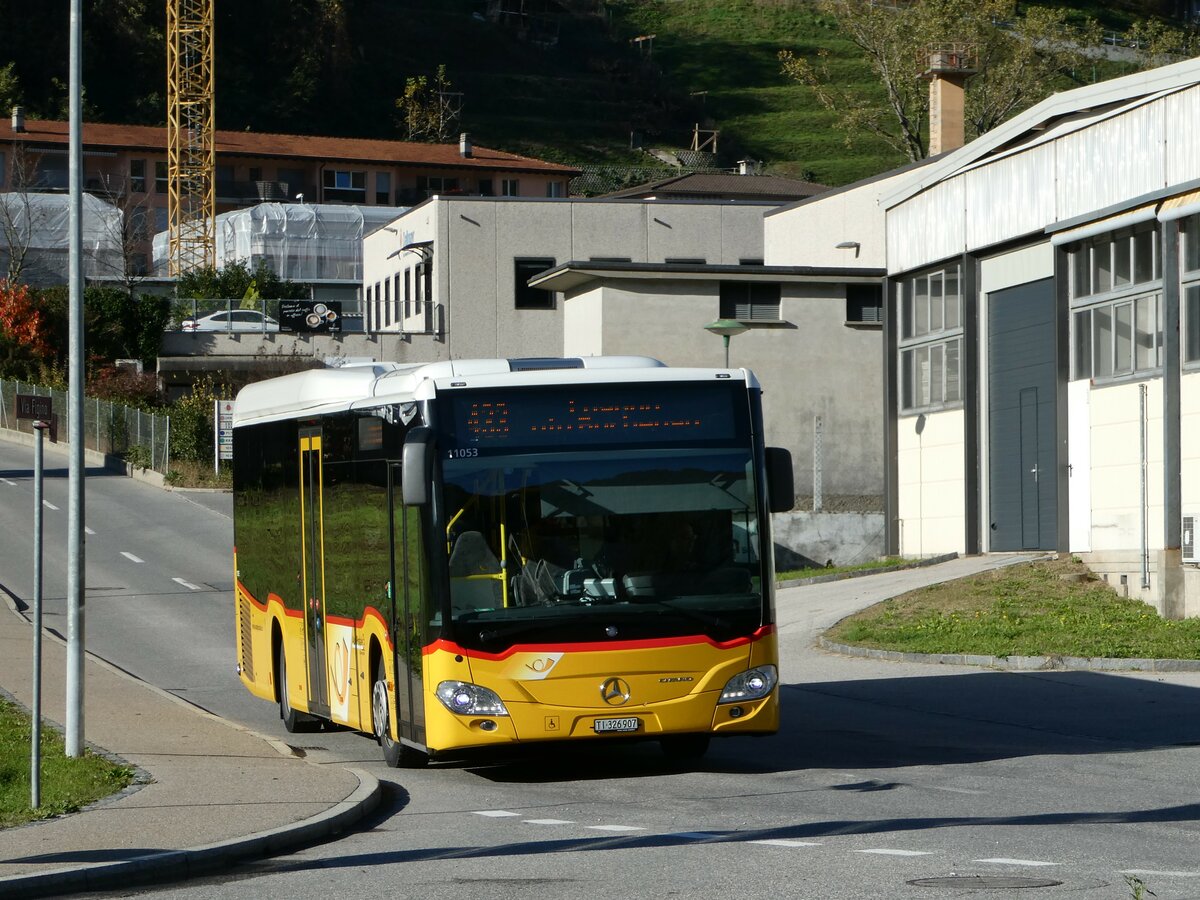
[{"x": 570, "y": 85}]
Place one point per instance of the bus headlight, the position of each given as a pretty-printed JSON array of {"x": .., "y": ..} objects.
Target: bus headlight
[
  {"x": 753, "y": 684},
  {"x": 468, "y": 699}
]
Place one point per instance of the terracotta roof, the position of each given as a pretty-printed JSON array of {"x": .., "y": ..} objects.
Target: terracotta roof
[
  {"x": 722, "y": 184},
  {"x": 290, "y": 146}
]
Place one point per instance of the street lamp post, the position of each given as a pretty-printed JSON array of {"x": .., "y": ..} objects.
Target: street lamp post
[{"x": 726, "y": 328}]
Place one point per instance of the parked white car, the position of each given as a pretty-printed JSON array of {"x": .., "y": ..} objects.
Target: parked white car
[{"x": 231, "y": 320}]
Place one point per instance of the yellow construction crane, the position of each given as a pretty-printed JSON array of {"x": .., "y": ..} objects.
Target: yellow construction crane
[{"x": 191, "y": 143}]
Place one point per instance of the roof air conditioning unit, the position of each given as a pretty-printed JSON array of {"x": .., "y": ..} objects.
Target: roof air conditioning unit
[{"x": 1188, "y": 539}]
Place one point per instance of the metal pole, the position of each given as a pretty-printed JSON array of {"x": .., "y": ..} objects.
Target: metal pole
[
  {"x": 1144, "y": 511},
  {"x": 35, "y": 759},
  {"x": 726, "y": 337},
  {"x": 818, "y": 463},
  {"x": 75, "y": 553}
]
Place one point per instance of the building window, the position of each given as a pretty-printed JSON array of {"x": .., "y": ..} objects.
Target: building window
[
  {"x": 684, "y": 260},
  {"x": 864, "y": 303},
  {"x": 137, "y": 176},
  {"x": 344, "y": 186},
  {"x": 510, "y": 187},
  {"x": 525, "y": 297},
  {"x": 396, "y": 295},
  {"x": 161, "y": 222},
  {"x": 485, "y": 187},
  {"x": 429, "y": 185},
  {"x": 383, "y": 189},
  {"x": 930, "y": 339},
  {"x": 294, "y": 179},
  {"x": 750, "y": 301},
  {"x": 554, "y": 189},
  {"x": 139, "y": 229},
  {"x": 750, "y": 261},
  {"x": 387, "y": 303},
  {"x": 224, "y": 184},
  {"x": 256, "y": 173},
  {"x": 1189, "y": 265},
  {"x": 372, "y": 318},
  {"x": 160, "y": 176},
  {"x": 1115, "y": 283}
]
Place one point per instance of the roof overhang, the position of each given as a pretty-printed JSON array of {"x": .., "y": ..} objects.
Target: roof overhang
[{"x": 573, "y": 275}]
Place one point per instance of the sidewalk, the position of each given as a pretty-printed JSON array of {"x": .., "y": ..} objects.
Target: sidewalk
[{"x": 215, "y": 793}]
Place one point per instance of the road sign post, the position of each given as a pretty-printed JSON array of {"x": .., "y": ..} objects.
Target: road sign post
[
  {"x": 222, "y": 434},
  {"x": 41, "y": 410}
]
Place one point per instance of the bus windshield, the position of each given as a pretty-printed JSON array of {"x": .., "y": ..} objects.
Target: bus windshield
[{"x": 604, "y": 543}]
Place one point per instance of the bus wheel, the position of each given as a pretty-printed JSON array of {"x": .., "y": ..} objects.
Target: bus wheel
[
  {"x": 684, "y": 747},
  {"x": 291, "y": 718},
  {"x": 395, "y": 754}
]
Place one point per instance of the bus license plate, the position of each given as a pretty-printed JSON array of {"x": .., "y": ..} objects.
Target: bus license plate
[{"x": 605, "y": 726}]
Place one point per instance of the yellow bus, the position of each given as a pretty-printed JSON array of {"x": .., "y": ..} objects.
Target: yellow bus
[{"x": 473, "y": 554}]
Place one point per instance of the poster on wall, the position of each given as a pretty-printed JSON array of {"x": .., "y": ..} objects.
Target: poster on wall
[{"x": 310, "y": 315}]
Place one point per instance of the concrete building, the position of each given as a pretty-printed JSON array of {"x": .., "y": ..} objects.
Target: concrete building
[{"x": 1042, "y": 334}]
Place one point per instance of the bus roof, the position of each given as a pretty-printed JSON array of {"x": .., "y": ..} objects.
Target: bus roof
[{"x": 320, "y": 391}]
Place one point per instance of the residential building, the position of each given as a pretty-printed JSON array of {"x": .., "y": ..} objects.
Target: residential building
[{"x": 127, "y": 166}]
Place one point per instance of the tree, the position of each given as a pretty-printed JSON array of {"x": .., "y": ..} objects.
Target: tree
[
  {"x": 26, "y": 343},
  {"x": 235, "y": 282},
  {"x": 1019, "y": 58},
  {"x": 430, "y": 111},
  {"x": 20, "y": 216}
]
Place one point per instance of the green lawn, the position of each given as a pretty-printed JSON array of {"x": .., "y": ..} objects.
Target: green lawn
[
  {"x": 1052, "y": 608},
  {"x": 67, "y": 785}
]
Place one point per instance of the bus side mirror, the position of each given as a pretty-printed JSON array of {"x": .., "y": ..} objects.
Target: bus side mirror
[
  {"x": 781, "y": 492},
  {"x": 417, "y": 467}
]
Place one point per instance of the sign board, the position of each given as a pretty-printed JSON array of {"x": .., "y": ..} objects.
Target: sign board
[
  {"x": 310, "y": 315},
  {"x": 223, "y": 429},
  {"x": 30, "y": 406}
]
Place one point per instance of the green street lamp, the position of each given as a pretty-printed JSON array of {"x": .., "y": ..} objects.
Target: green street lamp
[{"x": 726, "y": 328}]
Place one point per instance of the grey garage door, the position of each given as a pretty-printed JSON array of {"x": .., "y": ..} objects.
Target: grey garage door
[{"x": 1022, "y": 418}]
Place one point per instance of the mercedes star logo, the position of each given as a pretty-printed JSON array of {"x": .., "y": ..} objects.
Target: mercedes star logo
[{"x": 615, "y": 691}]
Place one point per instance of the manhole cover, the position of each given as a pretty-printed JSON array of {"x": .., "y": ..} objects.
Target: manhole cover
[{"x": 985, "y": 881}]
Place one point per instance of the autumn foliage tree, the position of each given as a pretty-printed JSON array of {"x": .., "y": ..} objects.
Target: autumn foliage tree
[{"x": 26, "y": 344}]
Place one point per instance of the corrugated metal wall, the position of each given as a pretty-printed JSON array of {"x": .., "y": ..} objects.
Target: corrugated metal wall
[{"x": 1108, "y": 163}]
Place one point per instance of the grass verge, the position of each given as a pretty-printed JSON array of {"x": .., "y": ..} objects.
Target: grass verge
[
  {"x": 188, "y": 474},
  {"x": 67, "y": 784},
  {"x": 888, "y": 562},
  {"x": 1050, "y": 608}
]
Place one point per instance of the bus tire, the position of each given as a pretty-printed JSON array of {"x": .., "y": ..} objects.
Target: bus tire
[
  {"x": 291, "y": 718},
  {"x": 395, "y": 754},
  {"x": 684, "y": 747}
]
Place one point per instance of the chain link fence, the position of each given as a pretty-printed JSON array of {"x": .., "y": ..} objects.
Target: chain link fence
[{"x": 140, "y": 437}]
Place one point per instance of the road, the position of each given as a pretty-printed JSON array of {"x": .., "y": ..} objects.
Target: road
[{"x": 883, "y": 773}]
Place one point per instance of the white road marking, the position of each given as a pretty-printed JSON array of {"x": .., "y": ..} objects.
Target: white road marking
[
  {"x": 548, "y": 822},
  {"x": 187, "y": 584},
  {"x": 49, "y": 505},
  {"x": 1160, "y": 874},
  {"x": 616, "y": 828},
  {"x": 1017, "y": 862},
  {"x": 129, "y": 556},
  {"x": 495, "y": 813},
  {"x": 884, "y": 852},
  {"x": 88, "y": 530},
  {"x": 781, "y": 842},
  {"x": 9, "y": 483}
]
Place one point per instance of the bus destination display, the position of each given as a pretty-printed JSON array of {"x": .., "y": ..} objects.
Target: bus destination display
[{"x": 620, "y": 415}]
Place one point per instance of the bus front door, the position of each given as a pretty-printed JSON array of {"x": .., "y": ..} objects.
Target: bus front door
[
  {"x": 313, "y": 568},
  {"x": 407, "y": 586}
]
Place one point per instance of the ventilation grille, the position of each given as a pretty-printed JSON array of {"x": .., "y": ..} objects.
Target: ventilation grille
[
  {"x": 1188, "y": 539},
  {"x": 245, "y": 638}
]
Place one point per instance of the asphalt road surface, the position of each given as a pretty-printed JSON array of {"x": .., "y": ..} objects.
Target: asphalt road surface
[{"x": 979, "y": 783}]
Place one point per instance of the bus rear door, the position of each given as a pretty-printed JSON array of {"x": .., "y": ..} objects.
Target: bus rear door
[{"x": 313, "y": 569}]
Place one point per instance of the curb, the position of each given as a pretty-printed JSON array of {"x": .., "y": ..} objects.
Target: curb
[
  {"x": 858, "y": 573},
  {"x": 1017, "y": 663},
  {"x": 178, "y": 865}
]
